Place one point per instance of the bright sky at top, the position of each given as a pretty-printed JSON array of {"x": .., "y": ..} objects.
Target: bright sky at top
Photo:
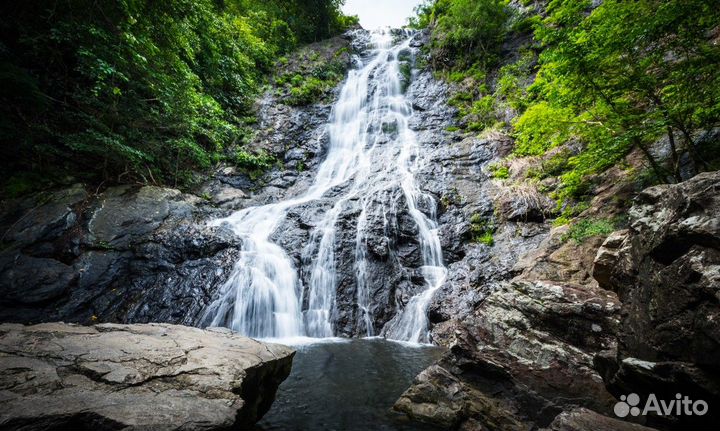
[{"x": 381, "y": 13}]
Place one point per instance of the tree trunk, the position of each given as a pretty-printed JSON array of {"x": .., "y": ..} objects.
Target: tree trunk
[
  {"x": 659, "y": 171},
  {"x": 674, "y": 155}
]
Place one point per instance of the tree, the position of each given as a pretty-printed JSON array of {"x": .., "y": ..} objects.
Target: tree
[
  {"x": 468, "y": 31},
  {"x": 138, "y": 90},
  {"x": 632, "y": 72}
]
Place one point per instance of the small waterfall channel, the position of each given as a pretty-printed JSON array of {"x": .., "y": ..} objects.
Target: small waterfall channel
[{"x": 264, "y": 296}]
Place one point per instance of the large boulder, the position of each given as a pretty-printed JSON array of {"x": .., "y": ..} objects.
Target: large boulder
[
  {"x": 665, "y": 269},
  {"x": 163, "y": 377}
]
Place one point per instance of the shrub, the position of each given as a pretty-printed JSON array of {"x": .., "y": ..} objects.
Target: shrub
[
  {"x": 588, "y": 228},
  {"x": 468, "y": 31},
  {"x": 258, "y": 161},
  {"x": 541, "y": 128},
  {"x": 499, "y": 171},
  {"x": 481, "y": 230},
  {"x": 309, "y": 91}
]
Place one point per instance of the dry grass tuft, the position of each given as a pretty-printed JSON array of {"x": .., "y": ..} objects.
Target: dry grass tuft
[{"x": 523, "y": 202}]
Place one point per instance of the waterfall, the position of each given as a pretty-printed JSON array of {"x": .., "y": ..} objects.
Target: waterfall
[{"x": 263, "y": 297}]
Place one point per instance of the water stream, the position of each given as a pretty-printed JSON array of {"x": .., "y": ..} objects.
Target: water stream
[{"x": 370, "y": 146}]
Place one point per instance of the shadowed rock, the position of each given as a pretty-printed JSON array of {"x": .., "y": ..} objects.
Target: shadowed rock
[
  {"x": 126, "y": 254},
  {"x": 522, "y": 357}
]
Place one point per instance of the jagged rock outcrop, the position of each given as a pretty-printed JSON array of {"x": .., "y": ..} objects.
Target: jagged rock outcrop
[
  {"x": 665, "y": 269},
  {"x": 523, "y": 318},
  {"x": 524, "y": 355},
  {"x": 57, "y": 376},
  {"x": 554, "y": 348},
  {"x": 126, "y": 254}
]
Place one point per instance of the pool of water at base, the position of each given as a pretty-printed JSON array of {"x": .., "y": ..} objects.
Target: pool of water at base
[{"x": 348, "y": 385}]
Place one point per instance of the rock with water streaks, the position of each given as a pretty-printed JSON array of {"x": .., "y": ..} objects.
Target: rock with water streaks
[{"x": 57, "y": 376}]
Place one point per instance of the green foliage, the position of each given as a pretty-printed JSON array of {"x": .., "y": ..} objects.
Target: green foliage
[
  {"x": 541, "y": 128},
  {"x": 138, "y": 90},
  {"x": 306, "y": 20},
  {"x": 406, "y": 72},
  {"x": 630, "y": 72},
  {"x": 526, "y": 24},
  {"x": 481, "y": 230},
  {"x": 424, "y": 15},
  {"x": 588, "y": 228},
  {"x": 261, "y": 160},
  {"x": 569, "y": 212},
  {"x": 103, "y": 245},
  {"x": 481, "y": 114},
  {"x": 611, "y": 77},
  {"x": 307, "y": 91},
  {"x": 486, "y": 238},
  {"x": 346, "y": 21},
  {"x": 482, "y": 97},
  {"x": 313, "y": 80},
  {"x": 514, "y": 79},
  {"x": 499, "y": 171},
  {"x": 24, "y": 183},
  {"x": 467, "y": 31},
  {"x": 552, "y": 166},
  {"x": 254, "y": 164}
]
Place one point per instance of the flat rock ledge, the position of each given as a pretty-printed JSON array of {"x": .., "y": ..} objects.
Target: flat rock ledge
[{"x": 130, "y": 377}]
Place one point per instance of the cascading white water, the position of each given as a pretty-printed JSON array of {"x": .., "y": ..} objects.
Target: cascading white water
[{"x": 263, "y": 297}]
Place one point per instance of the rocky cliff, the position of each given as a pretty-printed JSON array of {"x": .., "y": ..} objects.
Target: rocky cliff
[
  {"x": 553, "y": 339},
  {"x": 665, "y": 269}
]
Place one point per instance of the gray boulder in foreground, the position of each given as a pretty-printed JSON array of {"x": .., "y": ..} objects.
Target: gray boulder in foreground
[{"x": 150, "y": 376}]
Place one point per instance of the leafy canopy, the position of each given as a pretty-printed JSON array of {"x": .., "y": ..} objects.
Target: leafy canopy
[{"x": 139, "y": 90}]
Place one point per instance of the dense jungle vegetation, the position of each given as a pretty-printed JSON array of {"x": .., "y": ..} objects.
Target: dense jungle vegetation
[
  {"x": 581, "y": 84},
  {"x": 139, "y": 90}
]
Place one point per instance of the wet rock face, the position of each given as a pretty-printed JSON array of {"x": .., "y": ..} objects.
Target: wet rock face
[
  {"x": 295, "y": 136},
  {"x": 455, "y": 174},
  {"x": 162, "y": 377},
  {"x": 127, "y": 254},
  {"x": 665, "y": 269}
]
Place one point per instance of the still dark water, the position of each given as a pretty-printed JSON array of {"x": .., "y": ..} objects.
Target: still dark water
[{"x": 348, "y": 385}]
